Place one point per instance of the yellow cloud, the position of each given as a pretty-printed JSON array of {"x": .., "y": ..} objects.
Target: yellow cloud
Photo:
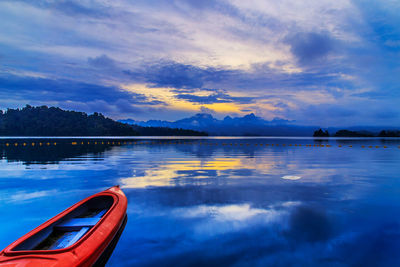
[{"x": 166, "y": 95}]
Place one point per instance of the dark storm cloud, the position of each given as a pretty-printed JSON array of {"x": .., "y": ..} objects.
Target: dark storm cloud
[
  {"x": 215, "y": 98},
  {"x": 177, "y": 75},
  {"x": 48, "y": 90},
  {"x": 310, "y": 47},
  {"x": 185, "y": 78}
]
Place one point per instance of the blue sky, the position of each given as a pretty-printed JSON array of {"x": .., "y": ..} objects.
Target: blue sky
[{"x": 327, "y": 63}]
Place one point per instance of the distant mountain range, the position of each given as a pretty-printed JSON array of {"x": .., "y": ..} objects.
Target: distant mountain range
[
  {"x": 45, "y": 121},
  {"x": 248, "y": 125}
]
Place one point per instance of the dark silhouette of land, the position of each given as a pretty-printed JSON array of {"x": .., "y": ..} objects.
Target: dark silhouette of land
[
  {"x": 248, "y": 125},
  {"x": 252, "y": 125},
  {"x": 53, "y": 121},
  {"x": 321, "y": 133},
  {"x": 363, "y": 133},
  {"x": 389, "y": 133},
  {"x": 347, "y": 133}
]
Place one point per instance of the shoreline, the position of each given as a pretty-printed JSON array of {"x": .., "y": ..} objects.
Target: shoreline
[{"x": 196, "y": 137}]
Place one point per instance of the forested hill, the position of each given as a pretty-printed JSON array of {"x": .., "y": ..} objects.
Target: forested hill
[
  {"x": 45, "y": 121},
  {"x": 52, "y": 121}
]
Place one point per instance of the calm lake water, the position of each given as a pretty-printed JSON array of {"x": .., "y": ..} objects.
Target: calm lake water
[{"x": 218, "y": 202}]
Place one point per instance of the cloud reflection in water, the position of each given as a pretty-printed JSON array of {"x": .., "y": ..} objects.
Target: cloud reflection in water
[
  {"x": 194, "y": 205},
  {"x": 214, "y": 220},
  {"x": 291, "y": 177}
]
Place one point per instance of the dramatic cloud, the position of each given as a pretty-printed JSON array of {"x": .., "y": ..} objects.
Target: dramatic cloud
[
  {"x": 70, "y": 94},
  {"x": 309, "y": 47},
  {"x": 294, "y": 60},
  {"x": 214, "y": 98}
]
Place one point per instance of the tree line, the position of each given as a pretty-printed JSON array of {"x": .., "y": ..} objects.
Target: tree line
[{"x": 54, "y": 121}]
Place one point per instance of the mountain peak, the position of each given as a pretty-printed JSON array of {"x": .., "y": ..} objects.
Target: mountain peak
[
  {"x": 250, "y": 116},
  {"x": 228, "y": 118},
  {"x": 203, "y": 116}
]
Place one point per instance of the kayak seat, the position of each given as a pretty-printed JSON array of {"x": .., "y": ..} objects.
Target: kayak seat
[
  {"x": 77, "y": 223},
  {"x": 74, "y": 228},
  {"x": 69, "y": 238}
]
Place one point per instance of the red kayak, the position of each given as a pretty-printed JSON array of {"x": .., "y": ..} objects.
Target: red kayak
[{"x": 82, "y": 235}]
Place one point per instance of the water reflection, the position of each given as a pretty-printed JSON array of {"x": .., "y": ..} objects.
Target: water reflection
[
  {"x": 49, "y": 151},
  {"x": 291, "y": 177},
  {"x": 220, "y": 202}
]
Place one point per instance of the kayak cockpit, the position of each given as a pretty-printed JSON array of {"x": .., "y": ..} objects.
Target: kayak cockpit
[{"x": 69, "y": 229}]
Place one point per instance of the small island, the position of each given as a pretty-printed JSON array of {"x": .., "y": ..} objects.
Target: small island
[
  {"x": 54, "y": 121},
  {"x": 348, "y": 133},
  {"x": 389, "y": 133},
  {"x": 321, "y": 133}
]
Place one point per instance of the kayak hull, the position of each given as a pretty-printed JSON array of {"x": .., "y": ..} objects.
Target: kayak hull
[
  {"x": 110, "y": 249},
  {"x": 84, "y": 244}
]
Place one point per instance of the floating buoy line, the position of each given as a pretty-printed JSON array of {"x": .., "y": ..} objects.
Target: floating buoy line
[{"x": 16, "y": 144}]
